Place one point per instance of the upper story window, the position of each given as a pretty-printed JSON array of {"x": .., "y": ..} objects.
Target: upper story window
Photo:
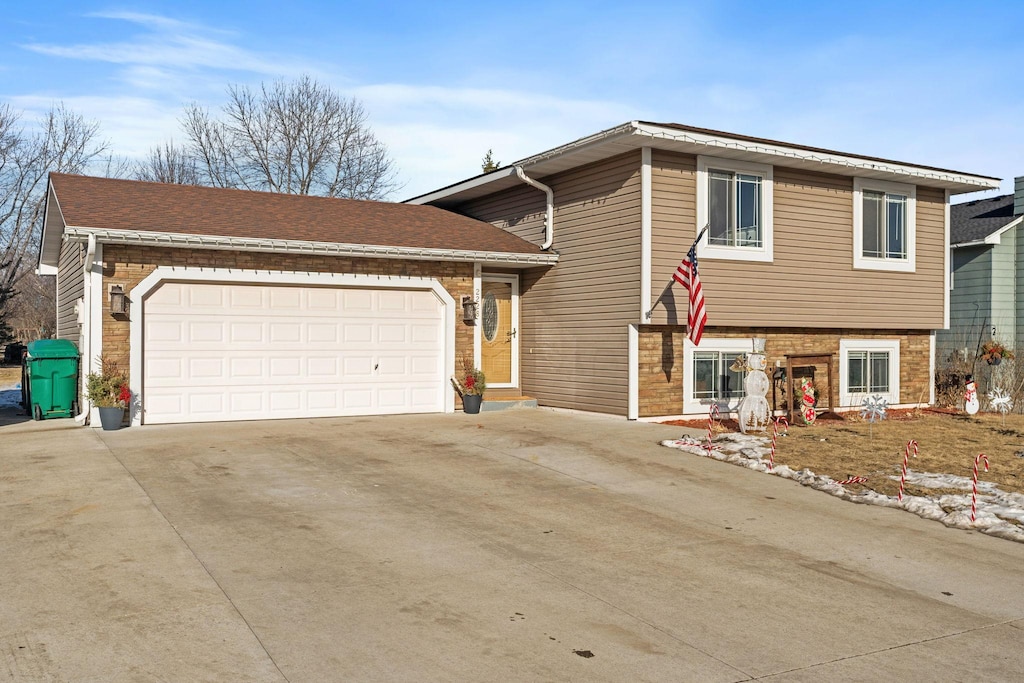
[
  {"x": 734, "y": 199},
  {"x": 884, "y": 227}
]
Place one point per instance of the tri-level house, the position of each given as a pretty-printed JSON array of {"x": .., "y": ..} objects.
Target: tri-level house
[{"x": 838, "y": 260}]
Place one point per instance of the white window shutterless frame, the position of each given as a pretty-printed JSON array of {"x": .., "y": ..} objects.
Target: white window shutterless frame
[{"x": 735, "y": 200}]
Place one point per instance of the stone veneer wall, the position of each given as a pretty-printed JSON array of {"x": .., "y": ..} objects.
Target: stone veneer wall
[
  {"x": 661, "y": 360},
  {"x": 129, "y": 265}
]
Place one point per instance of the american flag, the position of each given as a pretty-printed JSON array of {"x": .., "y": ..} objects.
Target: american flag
[{"x": 686, "y": 275}]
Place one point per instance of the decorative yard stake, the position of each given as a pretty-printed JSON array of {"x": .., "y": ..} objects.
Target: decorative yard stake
[
  {"x": 775, "y": 435},
  {"x": 1001, "y": 401},
  {"x": 906, "y": 457},
  {"x": 853, "y": 480},
  {"x": 874, "y": 409},
  {"x": 713, "y": 413},
  {"x": 974, "y": 495}
]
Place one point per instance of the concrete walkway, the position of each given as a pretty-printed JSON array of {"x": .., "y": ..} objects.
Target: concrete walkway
[{"x": 516, "y": 545}]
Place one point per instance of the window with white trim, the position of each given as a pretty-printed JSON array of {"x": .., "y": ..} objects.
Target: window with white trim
[
  {"x": 734, "y": 199},
  {"x": 707, "y": 377},
  {"x": 869, "y": 367},
  {"x": 884, "y": 230}
]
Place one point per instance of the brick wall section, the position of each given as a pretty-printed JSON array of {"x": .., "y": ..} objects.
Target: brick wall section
[
  {"x": 129, "y": 265},
  {"x": 661, "y": 360}
]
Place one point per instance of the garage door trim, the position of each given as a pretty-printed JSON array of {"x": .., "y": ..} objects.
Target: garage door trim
[{"x": 164, "y": 274}]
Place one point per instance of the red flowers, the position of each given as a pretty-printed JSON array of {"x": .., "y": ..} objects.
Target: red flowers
[{"x": 125, "y": 396}]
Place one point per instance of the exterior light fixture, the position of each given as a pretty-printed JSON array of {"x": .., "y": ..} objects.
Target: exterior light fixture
[
  {"x": 469, "y": 307},
  {"x": 118, "y": 301}
]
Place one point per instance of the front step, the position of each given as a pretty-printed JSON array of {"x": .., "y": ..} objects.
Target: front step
[{"x": 506, "y": 402}]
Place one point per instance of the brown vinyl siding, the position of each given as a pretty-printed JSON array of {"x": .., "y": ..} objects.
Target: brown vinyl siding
[
  {"x": 574, "y": 316},
  {"x": 811, "y": 281},
  {"x": 70, "y": 288}
]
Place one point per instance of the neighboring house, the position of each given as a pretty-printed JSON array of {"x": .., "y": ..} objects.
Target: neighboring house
[
  {"x": 820, "y": 252},
  {"x": 987, "y": 285},
  {"x": 248, "y": 305}
]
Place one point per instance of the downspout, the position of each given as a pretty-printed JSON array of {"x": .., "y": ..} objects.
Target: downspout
[
  {"x": 549, "y": 221},
  {"x": 84, "y": 367}
]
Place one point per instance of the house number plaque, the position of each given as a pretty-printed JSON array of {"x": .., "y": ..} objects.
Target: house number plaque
[{"x": 489, "y": 315}]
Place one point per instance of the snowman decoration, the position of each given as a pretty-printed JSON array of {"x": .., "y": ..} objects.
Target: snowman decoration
[
  {"x": 971, "y": 403},
  {"x": 754, "y": 413}
]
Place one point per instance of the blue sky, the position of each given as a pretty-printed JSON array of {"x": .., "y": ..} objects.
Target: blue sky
[{"x": 932, "y": 83}]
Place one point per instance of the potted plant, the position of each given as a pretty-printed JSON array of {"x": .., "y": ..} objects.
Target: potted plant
[
  {"x": 471, "y": 384},
  {"x": 993, "y": 352},
  {"x": 108, "y": 391}
]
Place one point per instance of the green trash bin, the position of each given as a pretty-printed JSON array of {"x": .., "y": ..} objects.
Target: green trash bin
[{"x": 51, "y": 375}]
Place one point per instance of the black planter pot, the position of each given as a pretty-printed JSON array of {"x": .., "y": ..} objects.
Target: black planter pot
[
  {"x": 471, "y": 403},
  {"x": 111, "y": 418}
]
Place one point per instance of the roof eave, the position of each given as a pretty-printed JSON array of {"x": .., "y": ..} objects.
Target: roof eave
[
  {"x": 636, "y": 134},
  {"x": 181, "y": 240},
  {"x": 995, "y": 237}
]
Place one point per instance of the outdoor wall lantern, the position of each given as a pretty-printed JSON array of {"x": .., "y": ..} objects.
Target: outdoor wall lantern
[
  {"x": 469, "y": 307},
  {"x": 118, "y": 302}
]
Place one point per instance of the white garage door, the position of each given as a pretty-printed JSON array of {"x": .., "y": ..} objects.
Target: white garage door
[{"x": 215, "y": 352}]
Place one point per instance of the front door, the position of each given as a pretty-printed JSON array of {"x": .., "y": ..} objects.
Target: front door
[{"x": 498, "y": 334}]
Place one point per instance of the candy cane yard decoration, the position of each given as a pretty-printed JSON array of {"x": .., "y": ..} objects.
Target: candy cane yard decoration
[
  {"x": 775, "y": 435},
  {"x": 713, "y": 414},
  {"x": 974, "y": 495},
  {"x": 906, "y": 457}
]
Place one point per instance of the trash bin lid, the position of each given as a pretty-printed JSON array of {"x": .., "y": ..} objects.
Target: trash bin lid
[{"x": 52, "y": 348}]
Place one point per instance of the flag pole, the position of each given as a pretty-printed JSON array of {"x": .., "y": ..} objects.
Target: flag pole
[
  {"x": 650, "y": 311},
  {"x": 701, "y": 234}
]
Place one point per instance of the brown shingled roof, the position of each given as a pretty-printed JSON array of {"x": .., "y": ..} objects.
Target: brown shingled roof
[{"x": 111, "y": 204}]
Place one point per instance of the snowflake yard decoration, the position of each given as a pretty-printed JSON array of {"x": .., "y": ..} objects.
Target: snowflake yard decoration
[
  {"x": 874, "y": 409},
  {"x": 1001, "y": 401}
]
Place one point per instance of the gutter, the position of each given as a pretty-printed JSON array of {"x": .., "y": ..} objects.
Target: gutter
[
  {"x": 178, "y": 240},
  {"x": 84, "y": 365},
  {"x": 549, "y": 219}
]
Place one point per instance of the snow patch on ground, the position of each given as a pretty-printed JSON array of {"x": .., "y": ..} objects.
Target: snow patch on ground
[
  {"x": 10, "y": 397},
  {"x": 998, "y": 512}
]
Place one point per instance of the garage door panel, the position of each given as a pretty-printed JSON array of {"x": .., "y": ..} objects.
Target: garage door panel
[{"x": 256, "y": 352}]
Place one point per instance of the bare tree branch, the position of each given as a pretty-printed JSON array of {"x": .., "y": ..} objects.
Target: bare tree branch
[
  {"x": 63, "y": 142},
  {"x": 297, "y": 137},
  {"x": 168, "y": 164}
]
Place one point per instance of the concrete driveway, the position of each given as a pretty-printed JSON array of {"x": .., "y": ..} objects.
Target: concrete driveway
[{"x": 518, "y": 545}]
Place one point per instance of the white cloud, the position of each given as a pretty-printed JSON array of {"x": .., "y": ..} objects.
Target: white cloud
[{"x": 132, "y": 124}]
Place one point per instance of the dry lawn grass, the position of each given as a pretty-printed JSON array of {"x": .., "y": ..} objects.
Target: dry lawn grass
[
  {"x": 947, "y": 444},
  {"x": 9, "y": 376}
]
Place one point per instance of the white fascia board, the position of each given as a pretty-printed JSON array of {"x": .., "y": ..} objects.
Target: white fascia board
[
  {"x": 179, "y": 240},
  {"x": 478, "y": 181},
  {"x": 975, "y": 183},
  {"x": 50, "y": 240}
]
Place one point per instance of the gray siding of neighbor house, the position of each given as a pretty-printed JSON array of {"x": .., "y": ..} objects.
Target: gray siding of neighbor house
[
  {"x": 1018, "y": 274},
  {"x": 811, "y": 281},
  {"x": 1004, "y": 289},
  {"x": 970, "y": 312},
  {"x": 575, "y": 315},
  {"x": 70, "y": 288}
]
